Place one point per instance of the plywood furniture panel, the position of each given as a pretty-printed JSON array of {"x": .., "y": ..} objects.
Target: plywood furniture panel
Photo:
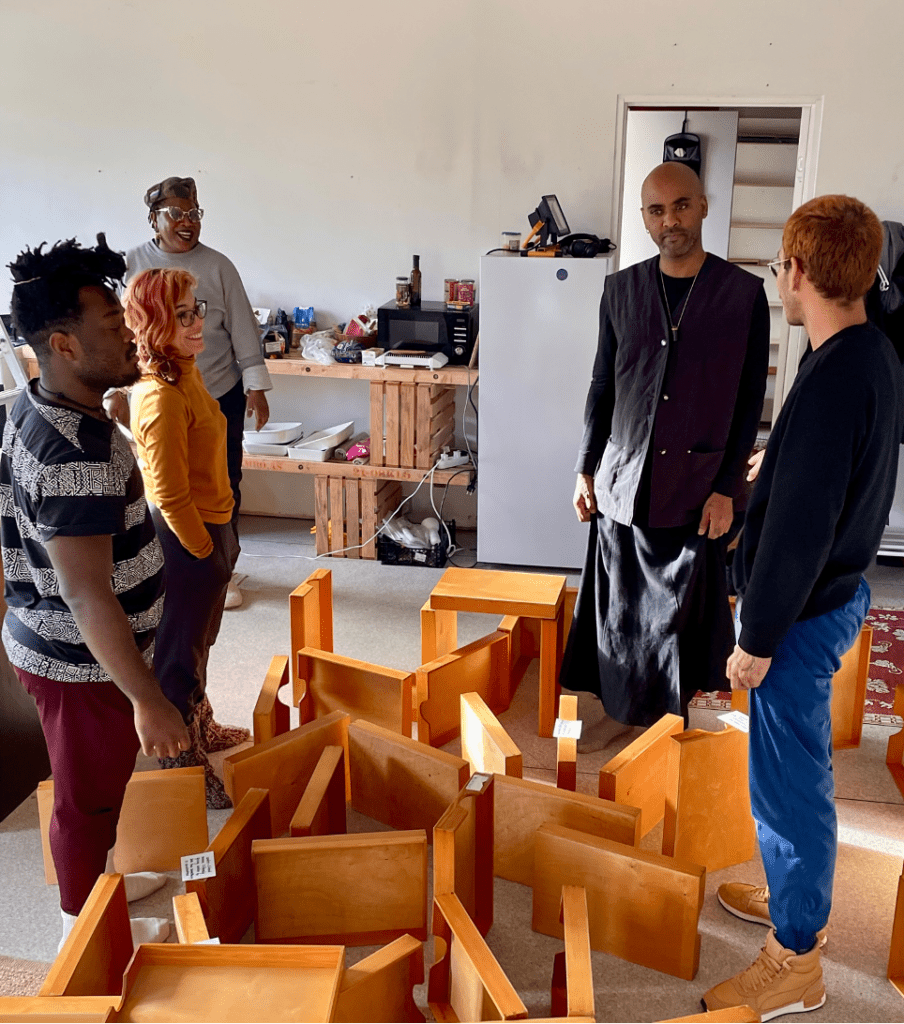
[
  {"x": 466, "y": 982},
  {"x": 707, "y": 802},
  {"x": 57, "y": 1008},
  {"x": 637, "y": 775},
  {"x": 359, "y": 889},
  {"x": 894, "y": 755},
  {"x": 733, "y": 1015},
  {"x": 463, "y": 851},
  {"x": 232, "y": 983},
  {"x": 163, "y": 818},
  {"x": 439, "y": 633},
  {"x": 228, "y": 899},
  {"x": 311, "y": 613},
  {"x": 398, "y": 781},
  {"x": 485, "y": 745},
  {"x": 896, "y": 951},
  {"x": 572, "y": 978},
  {"x": 96, "y": 953},
  {"x": 534, "y": 595},
  {"x": 284, "y": 766},
  {"x": 524, "y": 645},
  {"x": 321, "y": 810},
  {"x": 378, "y": 988},
  {"x": 481, "y": 667},
  {"x": 190, "y": 924},
  {"x": 271, "y": 715},
  {"x": 644, "y": 907},
  {"x": 522, "y": 806},
  {"x": 567, "y": 746},
  {"x": 331, "y": 682}
]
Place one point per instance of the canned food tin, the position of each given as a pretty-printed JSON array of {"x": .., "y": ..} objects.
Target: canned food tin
[
  {"x": 466, "y": 290},
  {"x": 450, "y": 289}
]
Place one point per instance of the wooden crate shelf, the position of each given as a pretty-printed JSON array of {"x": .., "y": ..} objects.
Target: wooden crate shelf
[{"x": 347, "y": 512}]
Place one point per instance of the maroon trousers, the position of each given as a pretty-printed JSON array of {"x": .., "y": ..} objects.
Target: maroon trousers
[{"x": 92, "y": 743}]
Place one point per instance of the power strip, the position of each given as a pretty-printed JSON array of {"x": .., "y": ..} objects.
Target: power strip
[{"x": 451, "y": 460}]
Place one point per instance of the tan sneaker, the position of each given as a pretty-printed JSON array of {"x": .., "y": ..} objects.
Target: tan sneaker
[
  {"x": 779, "y": 981},
  {"x": 751, "y": 903}
]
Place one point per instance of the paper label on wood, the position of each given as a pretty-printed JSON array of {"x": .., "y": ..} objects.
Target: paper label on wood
[
  {"x": 736, "y": 718},
  {"x": 198, "y": 865},
  {"x": 207, "y": 942},
  {"x": 567, "y": 729},
  {"x": 477, "y": 781}
]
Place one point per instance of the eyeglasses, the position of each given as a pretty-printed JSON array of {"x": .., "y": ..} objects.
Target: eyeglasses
[
  {"x": 175, "y": 214},
  {"x": 187, "y": 316},
  {"x": 775, "y": 264}
]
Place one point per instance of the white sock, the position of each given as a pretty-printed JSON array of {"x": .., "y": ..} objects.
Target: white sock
[
  {"x": 140, "y": 883},
  {"x": 149, "y": 929},
  {"x": 68, "y": 924}
]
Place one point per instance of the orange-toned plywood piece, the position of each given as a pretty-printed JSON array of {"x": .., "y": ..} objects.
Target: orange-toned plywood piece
[
  {"x": 894, "y": 755},
  {"x": 284, "y": 766},
  {"x": 644, "y": 907},
  {"x": 463, "y": 851},
  {"x": 99, "y": 947},
  {"x": 637, "y": 775},
  {"x": 400, "y": 782},
  {"x": 572, "y": 976},
  {"x": 163, "y": 818},
  {"x": 707, "y": 801},
  {"x": 466, "y": 982},
  {"x": 378, "y": 988},
  {"x": 57, "y": 1008},
  {"x": 321, "y": 810},
  {"x": 567, "y": 746},
  {"x": 331, "y": 682},
  {"x": 232, "y": 983},
  {"x": 227, "y": 899},
  {"x": 522, "y": 806},
  {"x": 533, "y": 595},
  {"x": 481, "y": 667},
  {"x": 733, "y": 1015},
  {"x": 848, "y": 693},
  {"x": 485, "y": 745},
  {"x": 359, "y": 889},
  {"x": 524, "y": 645},
  {"x": 896, "y": 952},
  {"x": 190, "y": 924},
  {"x": 439, "y": 633},
  {"x": 311, "y": 615},
  {"x": 271, "y": 715}
]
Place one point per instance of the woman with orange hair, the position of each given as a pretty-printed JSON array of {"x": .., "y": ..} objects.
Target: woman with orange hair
[{"x": 181, "y": 438}]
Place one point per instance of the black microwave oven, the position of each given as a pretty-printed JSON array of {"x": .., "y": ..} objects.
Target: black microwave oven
[{"x": 429, "y": 327}]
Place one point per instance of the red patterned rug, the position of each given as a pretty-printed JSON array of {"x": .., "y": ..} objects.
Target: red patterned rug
[{"x": 885, "y": 671}]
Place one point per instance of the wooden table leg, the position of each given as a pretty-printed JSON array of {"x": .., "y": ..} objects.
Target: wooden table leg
[{"x": 550, "y": 660}]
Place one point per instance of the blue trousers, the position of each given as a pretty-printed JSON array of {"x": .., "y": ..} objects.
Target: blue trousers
[{"x": 792, "y": 789}]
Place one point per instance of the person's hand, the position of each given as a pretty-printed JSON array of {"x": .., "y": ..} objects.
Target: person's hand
[
  {"x": 744, "y": 671},
  {"x": 160, "y": 728},
  {"x": 755, "y": 461},
  {"x": 259, "y": 407},
  {"x": 116, "y": 406},
  {"x": 717, "y": 515},
  {"x": 584, "y": 498}
]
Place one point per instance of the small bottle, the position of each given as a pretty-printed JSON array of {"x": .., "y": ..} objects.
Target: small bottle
[
  {"x": 416, "y": 282},
  {"x": 402, "y": 292}
]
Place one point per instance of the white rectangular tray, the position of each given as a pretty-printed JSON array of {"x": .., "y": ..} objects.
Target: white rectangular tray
[
  {"x": 318, "y": 446},
  {"x": 275, "y": 433},
  {"x": 265, "y": 449}
]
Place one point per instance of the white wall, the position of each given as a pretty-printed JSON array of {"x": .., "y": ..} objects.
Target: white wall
[{"x": 330, "y": 141}]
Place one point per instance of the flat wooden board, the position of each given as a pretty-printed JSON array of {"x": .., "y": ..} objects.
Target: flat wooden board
[
  {"x": 481, "y": 667},
  {"x": 400, "y": 782},
  {"x": 896, "y": 950},
  {"x": 379, "y": 987},
  {"x": 57, "y": 1008},
  {"x": 330, "y": 682},
  {"x": 522, "y": 806},
  {"x": 643, "y": 907},
  {"x": 271, "y": 715},
  {"x": 567, "y": 746},
  {"x": 359, "y": 889},
  {"x": 497, "y": 591},
  {"x": 284, "y": 766},
  {"x": 163, "y": 819},
  {"x": 228, "y": 899},
  {"x": 707, "y": 805},
  {"x": 99, "y": 947},
  {"x": 321, "y": 810},
  {"x": 485, "y": 745},
  {"x": 189, "y": 918},
  {"x": 439, "y": 633},
  {"x": 637, "y": 775}
]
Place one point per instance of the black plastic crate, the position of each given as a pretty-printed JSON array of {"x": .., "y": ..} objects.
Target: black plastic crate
[{"x": 391, "y": 553}]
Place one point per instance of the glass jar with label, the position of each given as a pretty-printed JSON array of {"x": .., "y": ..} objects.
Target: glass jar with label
[{"x": 403, "y": 292}]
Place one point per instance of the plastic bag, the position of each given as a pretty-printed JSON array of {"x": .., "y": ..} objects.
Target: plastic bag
[{"x": 318, "y": 347}]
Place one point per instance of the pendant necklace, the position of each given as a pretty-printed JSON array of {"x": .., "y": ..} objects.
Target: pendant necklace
[
  {"x": 95, "y": 409},
  {"x": 673, "y": 326}
]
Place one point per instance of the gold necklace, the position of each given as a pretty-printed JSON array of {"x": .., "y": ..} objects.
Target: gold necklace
[{"x": 673, "y": 326}]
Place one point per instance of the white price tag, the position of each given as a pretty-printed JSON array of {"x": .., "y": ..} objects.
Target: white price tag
[
  {"x": 567, "y": 729},
  {"x": 736, "y": 718},
  {"x": 207, "y": 942},
  {"x": 198, "y": 865},
  {"x": 477, "y": 782}
]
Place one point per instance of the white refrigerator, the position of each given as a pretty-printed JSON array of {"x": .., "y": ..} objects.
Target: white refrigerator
[{"x": 539, "y": 321}]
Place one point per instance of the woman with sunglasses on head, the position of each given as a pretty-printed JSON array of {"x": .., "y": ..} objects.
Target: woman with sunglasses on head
[
  {"x": 180, "y": 432},
  {"x": 231, "y": 365}
]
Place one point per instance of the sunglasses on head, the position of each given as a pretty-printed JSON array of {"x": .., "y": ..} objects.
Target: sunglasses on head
[{"x": 175, "y": 214}]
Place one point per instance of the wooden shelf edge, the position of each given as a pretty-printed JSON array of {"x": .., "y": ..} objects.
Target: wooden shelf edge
[
  {"x": 347, "y": 469},
  {"x": 296, "y": 366}
]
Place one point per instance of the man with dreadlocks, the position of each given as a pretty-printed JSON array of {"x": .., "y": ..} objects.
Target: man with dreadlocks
[{"x": 82, "y": 565}]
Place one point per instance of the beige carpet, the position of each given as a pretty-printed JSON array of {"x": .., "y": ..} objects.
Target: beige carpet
[{"x": 21, "y": 977}]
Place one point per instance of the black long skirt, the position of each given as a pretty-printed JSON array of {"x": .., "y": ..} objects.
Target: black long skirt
[{"x": 652, "y": 623}]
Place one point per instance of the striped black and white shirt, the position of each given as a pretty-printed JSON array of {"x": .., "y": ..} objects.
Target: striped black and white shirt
[{"x": 63, "y": 473}]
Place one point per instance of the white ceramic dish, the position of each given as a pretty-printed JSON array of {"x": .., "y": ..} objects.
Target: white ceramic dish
[
  {"x": 265, "y": 449},
  {"x": 317, "y": 447},
  {"x": 275, "y": 433}
]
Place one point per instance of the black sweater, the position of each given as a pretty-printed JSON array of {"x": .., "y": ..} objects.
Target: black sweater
[{"x": 821, "y": 500}]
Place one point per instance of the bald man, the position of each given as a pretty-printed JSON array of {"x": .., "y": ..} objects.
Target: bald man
[{"x": 671, "y": 418}]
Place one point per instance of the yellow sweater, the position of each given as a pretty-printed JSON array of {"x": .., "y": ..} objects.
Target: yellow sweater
[{"x": 181, "y": 437}]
